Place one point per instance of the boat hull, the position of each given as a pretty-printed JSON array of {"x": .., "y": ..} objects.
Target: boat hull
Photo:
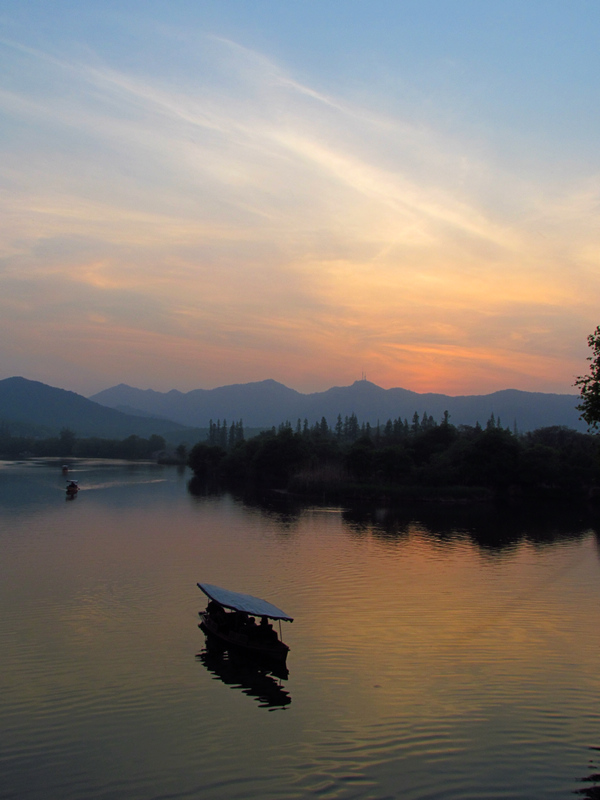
[{"x": 275, "y": 649}]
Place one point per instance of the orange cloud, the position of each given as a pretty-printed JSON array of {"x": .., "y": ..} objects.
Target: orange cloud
[{"x": 249, "y": 226}]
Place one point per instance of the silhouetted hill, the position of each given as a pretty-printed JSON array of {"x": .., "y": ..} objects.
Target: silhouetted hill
[
  {"x": 46, "y": 410},
  {"x": 267, "y": 403}
]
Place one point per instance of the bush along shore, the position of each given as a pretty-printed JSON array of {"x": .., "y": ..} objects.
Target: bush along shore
[{"x": 423, "y": 459}]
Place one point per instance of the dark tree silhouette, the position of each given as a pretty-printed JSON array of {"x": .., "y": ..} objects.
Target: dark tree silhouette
[
  {"x": 589, "y": 385},
  {"x": 67, "y": 441},
  {"x": 205, "y": 459}
]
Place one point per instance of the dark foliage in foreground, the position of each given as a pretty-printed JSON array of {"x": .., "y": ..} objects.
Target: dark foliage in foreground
[
  {"x": 423, "y": 457},
  {"x": 589, "y": 385}
]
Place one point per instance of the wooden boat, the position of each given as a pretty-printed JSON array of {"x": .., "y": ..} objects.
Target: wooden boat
[
  {"x": 72, "y": 488},
  {"x": 232, "y": 617}
]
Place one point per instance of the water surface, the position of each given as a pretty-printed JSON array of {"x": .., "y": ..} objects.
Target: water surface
[{"x": 435, "y": 653}]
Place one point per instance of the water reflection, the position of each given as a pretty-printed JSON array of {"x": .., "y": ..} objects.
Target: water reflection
[
  {"x": 201, "y": 489},
  {"x": 491, "y": 527},
  {"x": 591, "y": 792},
  {"x": 283, "y": 508},
  {"x": 257, "y": 679},
  {"x": 422, "y": 667}
]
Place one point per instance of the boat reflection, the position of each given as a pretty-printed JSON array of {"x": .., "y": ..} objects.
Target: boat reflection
[
  {"x": 591, "y": 792},
  {"x": 257, "y": 679}
]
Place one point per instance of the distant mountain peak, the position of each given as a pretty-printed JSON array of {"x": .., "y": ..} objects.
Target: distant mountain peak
[
  {"x": 23, "y": 400},
  {"x": 363, "y": 382},
  {"x": 262, "y": 404}
]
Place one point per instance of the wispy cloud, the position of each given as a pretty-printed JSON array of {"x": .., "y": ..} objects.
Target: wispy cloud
[{"x": 261, "y": 221}]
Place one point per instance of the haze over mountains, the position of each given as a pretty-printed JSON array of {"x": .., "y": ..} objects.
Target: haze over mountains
[
  {"x": 32, "y": 408},
  {"x": 123, "y": 410},
  {"x": 267, "y": 403}
]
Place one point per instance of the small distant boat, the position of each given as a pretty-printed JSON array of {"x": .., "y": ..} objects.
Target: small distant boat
[
  {"x": 65, "y": 468},
  {"x": 72, "y": 488},
  {"x": 231, "y": 617}
]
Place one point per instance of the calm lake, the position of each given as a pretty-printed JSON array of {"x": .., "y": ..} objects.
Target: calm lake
[{"x": 435, "y": 653}]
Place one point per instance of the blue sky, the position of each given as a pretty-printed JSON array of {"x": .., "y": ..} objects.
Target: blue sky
[{"x": 197, "y": 194}]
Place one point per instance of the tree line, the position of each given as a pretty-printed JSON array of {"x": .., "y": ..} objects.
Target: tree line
[
  {"x": 423, "y": 456},
  {"x": 223, "y": 435},
  {"x": 67, "y": 444}
]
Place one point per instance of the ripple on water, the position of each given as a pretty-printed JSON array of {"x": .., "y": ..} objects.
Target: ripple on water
[{"x": 419, "y": 667}]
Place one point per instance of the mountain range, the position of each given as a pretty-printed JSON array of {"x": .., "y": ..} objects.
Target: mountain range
[
  {"x": 31, "y": 408},
  {"x": 34, "y": 408},
  {"x": 266, "y": 403}
]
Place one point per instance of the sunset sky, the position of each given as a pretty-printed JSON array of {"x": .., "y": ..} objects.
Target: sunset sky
[{"x": 202, "y": 193}]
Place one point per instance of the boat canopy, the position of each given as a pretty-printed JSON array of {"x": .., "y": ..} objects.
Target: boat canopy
[{"x": 243, "y": 602}]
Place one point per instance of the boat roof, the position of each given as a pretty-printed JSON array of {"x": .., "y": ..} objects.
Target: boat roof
[{"x": 243, "y": 602}]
